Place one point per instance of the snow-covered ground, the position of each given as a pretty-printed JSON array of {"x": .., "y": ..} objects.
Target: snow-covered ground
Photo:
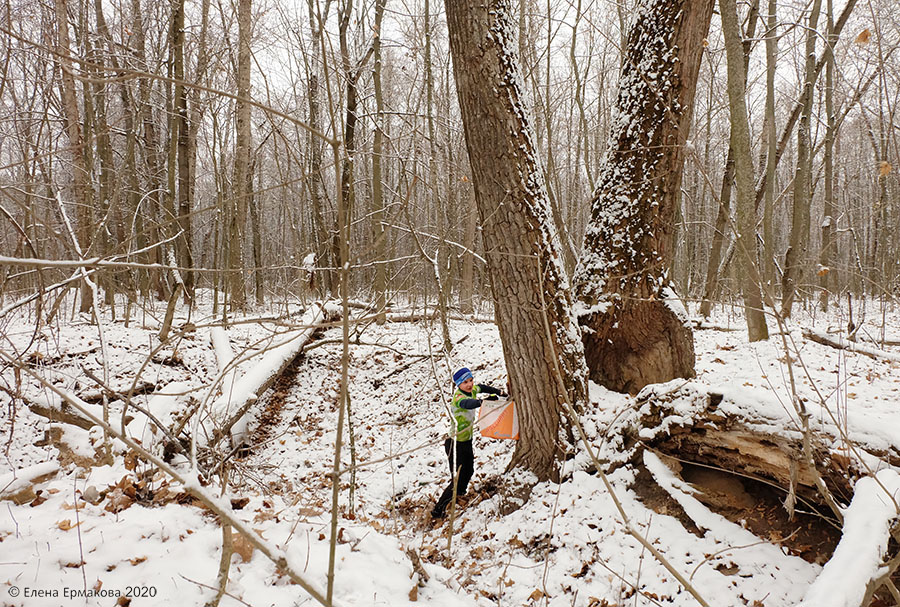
[{"x": 566, "y": 546}]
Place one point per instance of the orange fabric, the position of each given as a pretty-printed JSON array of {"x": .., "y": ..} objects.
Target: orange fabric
[{"x": 499, "y": 421}]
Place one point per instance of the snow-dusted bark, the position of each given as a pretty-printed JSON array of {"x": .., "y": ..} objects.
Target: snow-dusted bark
[
  {"x": 632, "y": 337},
  {"x": 541, "y": 341}
]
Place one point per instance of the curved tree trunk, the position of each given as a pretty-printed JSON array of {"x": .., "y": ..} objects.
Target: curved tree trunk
[
  {"x": 533, "y": 306},
  {"x": 632, "y": 335}
]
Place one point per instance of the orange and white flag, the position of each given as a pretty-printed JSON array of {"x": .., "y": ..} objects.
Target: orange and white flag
[{"x": 498, "y": 419}]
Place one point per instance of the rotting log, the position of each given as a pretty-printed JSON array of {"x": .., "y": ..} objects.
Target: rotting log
[{"x": 690, "y": 423}]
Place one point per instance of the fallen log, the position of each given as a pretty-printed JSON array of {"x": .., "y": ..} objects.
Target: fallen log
[
  {"x": 61, "y": 413},
  {"x": 282, "y": 350},
  {"x": 853, "y": 346},
  {"x": 17, "y": 485},
  {"x": 858, "y": 568},
  {"x": 690, "y": 422}
]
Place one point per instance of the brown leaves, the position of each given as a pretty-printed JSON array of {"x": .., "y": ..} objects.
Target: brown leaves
[
  {"x": 242, "y": 546},
  {"x": 884, "y": 168},
  {"x": 66, "y": 525},
  {"x": 239, "y": 503},
  {"x": 864, "y": 37},
  {"x": 117, "y": 500}
]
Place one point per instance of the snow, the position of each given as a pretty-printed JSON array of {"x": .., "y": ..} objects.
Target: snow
[
  {"x": 568, "y": 541},
  {"x": 858, "y": 557},
  {"x": 15, "y": 481}
]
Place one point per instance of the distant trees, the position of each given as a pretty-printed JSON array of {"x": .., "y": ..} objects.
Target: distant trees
[{"x": 170, "y": 137}]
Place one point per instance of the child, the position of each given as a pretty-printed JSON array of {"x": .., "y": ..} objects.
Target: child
[{"x": 462, "y": 407}]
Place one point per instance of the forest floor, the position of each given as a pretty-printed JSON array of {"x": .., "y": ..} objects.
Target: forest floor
[{"x": 70, "y": 524}]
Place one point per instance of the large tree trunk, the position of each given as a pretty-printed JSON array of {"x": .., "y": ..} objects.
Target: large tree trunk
[
  {"x": 632, "y": 335},
  {"x": 533, "y": 306}
]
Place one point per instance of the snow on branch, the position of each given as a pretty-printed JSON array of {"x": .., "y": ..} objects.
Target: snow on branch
[
  {"x": 844, "y": 344},
  {"x": 858, "y": 559}
]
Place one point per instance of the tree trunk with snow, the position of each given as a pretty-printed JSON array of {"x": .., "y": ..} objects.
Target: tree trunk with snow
[
  {"x": 632, "y": 335},
  {"x": 541, "y": 341}
]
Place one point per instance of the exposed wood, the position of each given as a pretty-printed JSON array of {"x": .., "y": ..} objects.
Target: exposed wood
[{"x": 687, "y": 423}]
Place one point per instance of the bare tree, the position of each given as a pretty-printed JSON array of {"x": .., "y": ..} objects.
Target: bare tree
[
  {"x": 84, "y": 193},
  {"x": 242, "y": 176},
  {"x": 743, "y": 171},
  {"x": 794, "y": 258}
]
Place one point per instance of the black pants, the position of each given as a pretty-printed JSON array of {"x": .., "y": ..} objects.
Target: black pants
[{"x": 465, "y": 460}]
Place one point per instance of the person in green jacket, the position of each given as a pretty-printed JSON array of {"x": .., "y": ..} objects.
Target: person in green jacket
[{"x": 463, "y": 406}]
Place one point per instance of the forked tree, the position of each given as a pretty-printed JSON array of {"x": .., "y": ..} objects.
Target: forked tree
[{"x": 633, "y": 333}]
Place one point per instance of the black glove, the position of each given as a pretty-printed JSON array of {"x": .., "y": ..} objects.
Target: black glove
[{"x": 491, "y": 397}]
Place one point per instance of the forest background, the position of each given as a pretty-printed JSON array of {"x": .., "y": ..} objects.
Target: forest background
[{"x": 238, "y": 158}]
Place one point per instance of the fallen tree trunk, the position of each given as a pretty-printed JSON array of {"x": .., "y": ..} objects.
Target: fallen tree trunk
[
  {"x": 232, "y": 407},
  {"x": 62, "y": 413},
  {"x": 858, "y": 567},
  {"x": 691, "y": 423},
  {"x": 845, "y": 344}
]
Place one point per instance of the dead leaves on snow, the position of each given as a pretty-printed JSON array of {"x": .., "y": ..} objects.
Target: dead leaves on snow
[
  {"x": 242, "y": 546},
  {"x": 66, "y": 525}
]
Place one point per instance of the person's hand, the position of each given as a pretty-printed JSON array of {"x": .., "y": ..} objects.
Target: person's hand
[
  {"x": 491, "y": 397},
  {"x": 504, "y": 395}
]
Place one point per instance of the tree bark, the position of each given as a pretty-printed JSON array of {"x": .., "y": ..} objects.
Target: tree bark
[
  {"x": 743, "y": 170},
  {"x": 533, "y": 306},
  {"x": 795, "y": 256},
  {"x": 241, "y": 189},
  {"x": 632, "y": 335}
]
